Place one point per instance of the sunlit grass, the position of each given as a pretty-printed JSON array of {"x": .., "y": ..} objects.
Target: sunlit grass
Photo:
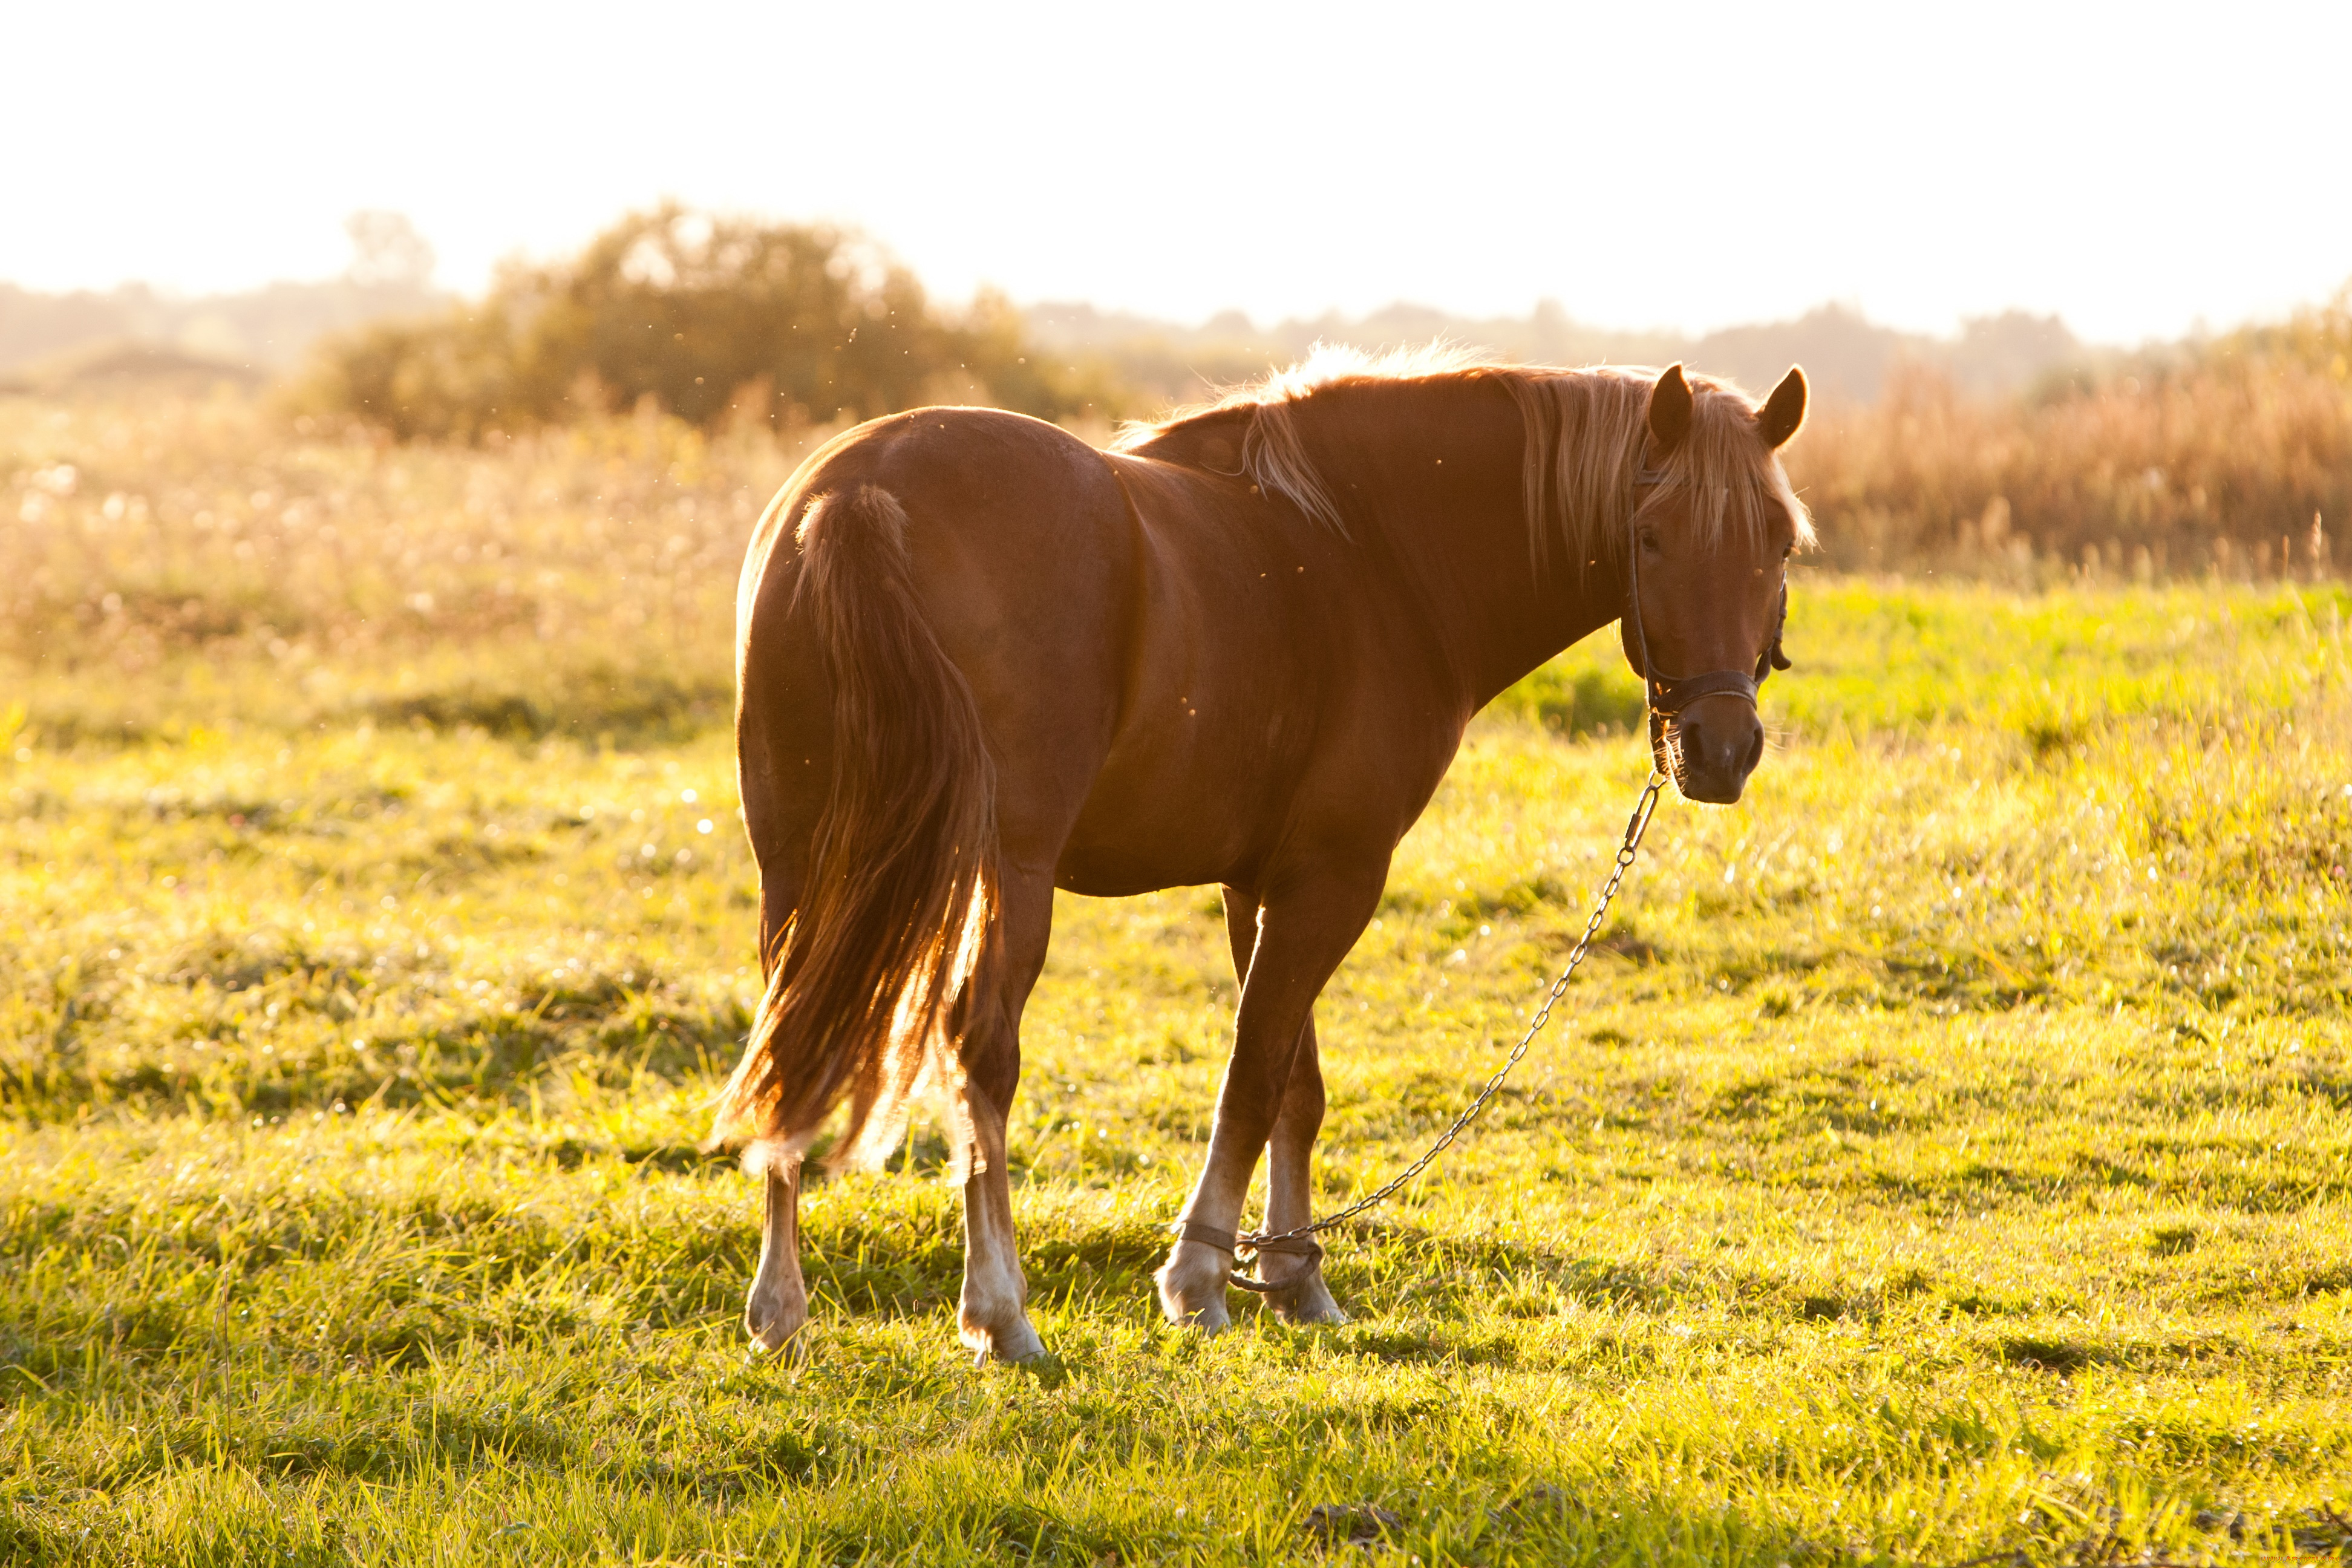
[{"x": 1950, "y": 1153}]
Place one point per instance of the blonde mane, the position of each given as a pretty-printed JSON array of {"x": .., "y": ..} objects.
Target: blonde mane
[{"x": 1585, "y": 431}]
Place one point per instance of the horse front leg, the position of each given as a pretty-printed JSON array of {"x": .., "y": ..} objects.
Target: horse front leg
[
  {"x": 1295, "y": 1269},
  {"x": 1303, "y": 929}
]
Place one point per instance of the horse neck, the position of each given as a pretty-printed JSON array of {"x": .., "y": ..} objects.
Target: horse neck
[{"x": 1442, "y": 465}]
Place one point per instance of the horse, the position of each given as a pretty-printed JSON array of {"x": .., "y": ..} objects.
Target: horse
[{"x": 978, "y": 659}]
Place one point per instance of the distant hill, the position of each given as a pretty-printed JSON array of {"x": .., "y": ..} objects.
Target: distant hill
[
  {"x": 1847, "y": 357},
  {"x": 44, "y": 337},
  {"x": 132, "y": 331}
]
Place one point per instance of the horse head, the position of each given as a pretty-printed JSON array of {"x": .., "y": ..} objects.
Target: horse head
[{"x": 1713, "y": 526}]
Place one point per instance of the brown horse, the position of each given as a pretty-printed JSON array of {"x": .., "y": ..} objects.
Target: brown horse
[{"x": 978, "y": 659}]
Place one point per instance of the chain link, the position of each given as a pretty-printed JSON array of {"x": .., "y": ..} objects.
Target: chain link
[{"x": 1635, "y": 825}]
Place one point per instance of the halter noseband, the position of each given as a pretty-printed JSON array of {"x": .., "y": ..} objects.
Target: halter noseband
[{"x": 1666, "y": 696}]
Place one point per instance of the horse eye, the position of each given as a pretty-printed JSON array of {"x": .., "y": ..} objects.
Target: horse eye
[{"x": 1650, "y": 542}]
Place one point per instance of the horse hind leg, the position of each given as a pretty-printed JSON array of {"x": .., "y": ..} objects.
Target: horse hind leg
[
  {"x": 779, "y": 1299},
  {"x": 992, "y": 1316},
  {"x": 778, "y": 1306}
]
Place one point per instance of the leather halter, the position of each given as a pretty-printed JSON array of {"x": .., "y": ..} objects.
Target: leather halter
[{"x": 1666, "y": 696}]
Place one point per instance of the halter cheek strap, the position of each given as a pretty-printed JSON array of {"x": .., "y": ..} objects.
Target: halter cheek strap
[{"x": 1664, "y": 695}]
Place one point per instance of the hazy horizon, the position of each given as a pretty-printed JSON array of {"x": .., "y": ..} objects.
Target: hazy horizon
[
  {"x": 54, "y": 340},
  {"x": 2134, "y": 177},
  {"x": 1206, "y": 323}
]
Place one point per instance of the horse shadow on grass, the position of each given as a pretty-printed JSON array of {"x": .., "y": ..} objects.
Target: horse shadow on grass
[{"x": 892, "y": 1262}]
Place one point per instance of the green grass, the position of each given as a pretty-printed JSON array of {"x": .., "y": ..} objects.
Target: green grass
[{"x": 1950, "y": 1153}]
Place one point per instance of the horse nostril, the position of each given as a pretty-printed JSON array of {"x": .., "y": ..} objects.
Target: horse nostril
[
  {"x": 1693, "y": 739},
  {"x": 1728, "y": 747}
]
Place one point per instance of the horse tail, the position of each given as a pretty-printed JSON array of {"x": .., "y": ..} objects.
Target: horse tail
[{"x": 876, "y": 968}]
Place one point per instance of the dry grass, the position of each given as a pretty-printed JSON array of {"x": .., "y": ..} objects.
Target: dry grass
[
  {"x": 217, "y": 562},
  {"x": 2215, "y": 465}
]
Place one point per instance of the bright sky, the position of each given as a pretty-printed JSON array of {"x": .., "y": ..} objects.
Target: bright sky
[{"x": 2134, "y": 167}]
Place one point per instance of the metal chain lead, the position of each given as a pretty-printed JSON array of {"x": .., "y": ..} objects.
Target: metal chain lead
[{"x": 1635, "y": 825}]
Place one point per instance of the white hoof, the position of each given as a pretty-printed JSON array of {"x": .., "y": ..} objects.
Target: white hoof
[
  {"x": 772, "y": 1316},
  {"x": 1192, "y": 1286},
  {"x": 1013, "y": 1343}
]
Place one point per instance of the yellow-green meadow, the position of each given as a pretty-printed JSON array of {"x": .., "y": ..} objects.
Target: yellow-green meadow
[{"x": 1949, "y": 1152}]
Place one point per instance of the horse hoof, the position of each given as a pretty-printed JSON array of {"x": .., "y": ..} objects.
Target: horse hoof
[
  {"x": 1309, "y": 1308},
  {"x": 1211, "y": 1319},
  {"x": 1207, "y": 1314},
  {"x": 1015, "y": 1345},
  {"x": 1304, "y": 1302},
  {"x": 772, "y": 1325},
  {"x": 1192, "y": 1287},
  {"x": 770, "y": 1337}
]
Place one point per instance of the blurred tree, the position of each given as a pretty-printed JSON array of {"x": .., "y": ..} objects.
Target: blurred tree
[
  {"x": 710, "y": 319},
  {"x": 447, "y": 378},
  {"x": 386, "y": 249},
  {"x": 2009, "y": 350}
]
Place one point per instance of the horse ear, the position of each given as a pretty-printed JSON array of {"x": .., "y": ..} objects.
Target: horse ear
[
  {"x": 1670, "y": 409},
  {"x": 1784, "y": 411}
]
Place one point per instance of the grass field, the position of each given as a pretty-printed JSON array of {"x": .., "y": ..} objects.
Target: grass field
[{"x": 1952, "y": 1153}]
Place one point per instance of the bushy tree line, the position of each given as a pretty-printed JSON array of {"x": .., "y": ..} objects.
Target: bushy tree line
[{"x": 712, "y": 318}]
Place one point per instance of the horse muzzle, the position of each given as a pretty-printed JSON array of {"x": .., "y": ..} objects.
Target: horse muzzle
[{"x": 1707, "y": 739}]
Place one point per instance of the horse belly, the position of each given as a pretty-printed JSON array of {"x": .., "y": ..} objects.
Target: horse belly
[
  {"x": 1195, "y": 804},
  {"x": 1117, "y": 865}
]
